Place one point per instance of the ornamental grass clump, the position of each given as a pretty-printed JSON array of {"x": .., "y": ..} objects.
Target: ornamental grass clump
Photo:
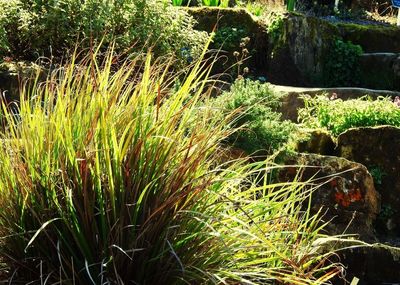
[{"x": 108, "y": 176}]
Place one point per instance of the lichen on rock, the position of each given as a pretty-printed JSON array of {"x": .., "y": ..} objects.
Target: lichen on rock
[{"x": 345, "y": 191}]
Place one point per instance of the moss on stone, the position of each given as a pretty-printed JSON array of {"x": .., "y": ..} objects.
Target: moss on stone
[
  {"x": 24, "y": 68},
  {"x": 242, "y": 23},
  {"x": 12, "y": 73},
  {"x": 210, "y": 17},
  {"x": 303, "y": 43},
  {"x": 372, "y": 38},
  {"x": 316, "y": 141}
]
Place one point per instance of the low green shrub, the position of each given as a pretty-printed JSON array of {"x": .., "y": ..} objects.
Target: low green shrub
[
  {"x": 262, "y": 127},
  {"x": 9, "y": 11},
  {"x": 342, "y": 64},
  {"x": 338, "y": 115},
  {"x": 49, "y": 28}
]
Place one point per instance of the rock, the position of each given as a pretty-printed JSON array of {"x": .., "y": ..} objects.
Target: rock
[
  {"x": 345, "y": 191},
  {"x": 380, "y": 70},
  {"x": 377, "y": 148},
  {"x": 292, "y": 101},
  {"x": 298, "y": 49},
  {"x": 300, "y": 44},
  {"x": 372, "y": 38},
  {"x": 12, "y": 74},
  {"x": 209, "y": 18},
  {"x": 293, "y": 48},
  {"x": 372, "y": 264},
  {"x": 316, "y": 141}
]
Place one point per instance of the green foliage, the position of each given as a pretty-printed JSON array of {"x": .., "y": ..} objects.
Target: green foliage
[
  {"x": 9, "y": 10},
  {"x": 107, "y": 176},
  {"x": 236, "y": 43},
  {"x": 224, "y": 4},
  {"x": 387, "y": 212},
  {"x": 211, "y": 3},
  {"x": 342, "y": 64},
  {"x": 177, "y": 2},
  {"x": 228, "y": 38},
  {"x": 290, "y": 5},
  {"x": 275, "y": 28},
  {"x": 338, "y": 115},
  {"x": 377, "y": 173},
  {"x": 35, "y": 28},
  {"x": 261, "y": 126},
  {"x": 345, "y": 13},
  {"x": 384, "y": 220},
  {"x": 3, "y": 42},
  {"x": 255, "y": 8}
]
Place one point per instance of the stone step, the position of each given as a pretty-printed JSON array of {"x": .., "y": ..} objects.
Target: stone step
[
  {"x": 345, "y": 193},
  {"x": 342, "y": 92},
  {"x": 380, "y": 70}
]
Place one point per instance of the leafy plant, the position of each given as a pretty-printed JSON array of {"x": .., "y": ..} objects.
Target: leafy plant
[
  {"x": 211, "y": 3},
  {"x": 341, "y": 66},
  {"x": 9, "y": 11},
  {"x": 275, "y": 27},
  {"x": 290, "y": 5},
  {"x": 51, "y": 28},
  {"x": 236, "y": 44},
  {"x": 228, "y": 38},
  {"x": 262, "y": 127},
  {"x": 338, "y": 115},
  {"x": 384, "y": 221},
  {"x": 351, "y": 14},
  {"x": 108, "y": 176},
  {"x": 224, "y": 4},
  {"x": 255, "y": 8},
  {"x": 377, "y": 173},
  {"x": 177, "y": 2}
]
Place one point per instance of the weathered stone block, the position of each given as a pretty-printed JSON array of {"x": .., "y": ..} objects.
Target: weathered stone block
[
  {"x": 378, "y": 149},
  {"x": 345, "y": 191}
]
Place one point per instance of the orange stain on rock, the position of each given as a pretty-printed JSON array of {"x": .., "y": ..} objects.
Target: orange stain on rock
[{"x": 345, "y": 199}]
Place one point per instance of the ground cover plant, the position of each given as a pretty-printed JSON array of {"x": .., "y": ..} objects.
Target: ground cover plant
[
  {"x": 110, "y": 177},
  {"x": 338, "y": 115},
  {"x": 262, "y": 129},
  {"x": 342, "y": 64}
]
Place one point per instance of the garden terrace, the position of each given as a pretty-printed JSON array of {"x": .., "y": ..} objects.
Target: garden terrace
[{"x": 158, "y": 142}]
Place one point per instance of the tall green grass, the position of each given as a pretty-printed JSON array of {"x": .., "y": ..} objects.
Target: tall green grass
[{"x": 108, "y": 176}]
